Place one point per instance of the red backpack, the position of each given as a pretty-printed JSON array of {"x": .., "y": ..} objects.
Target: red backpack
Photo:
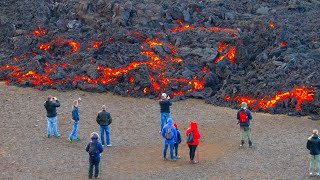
[{"x": 243, "y": 116}]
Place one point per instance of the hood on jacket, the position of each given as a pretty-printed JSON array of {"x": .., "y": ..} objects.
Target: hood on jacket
[
  {"x": 170, "y": 122},
  {"x": 175, "y": 125},
  {"x": 94, "y": 136},
  {"x": 193, "y": 125}
]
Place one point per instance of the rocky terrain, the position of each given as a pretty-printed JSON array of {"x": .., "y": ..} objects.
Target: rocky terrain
[{"x": 265, "y": 53}]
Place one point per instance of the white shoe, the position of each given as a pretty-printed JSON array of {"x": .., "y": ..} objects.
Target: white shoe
[
  {"x": 318, "y": 174},
  {"x": 109, "y": 145},
  {"x": 311, "y": 174}
]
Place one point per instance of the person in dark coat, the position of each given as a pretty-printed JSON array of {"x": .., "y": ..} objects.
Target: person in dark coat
[
  {"x": 165, "y": 104},
  {"x": 176, "y": 144},
  {"x": 104, "y": 120},
  {"x": 313, "y": 145},
  {"x": 52, "y": 118},
  {"x": 94, "y": 148},
  {"x": 244, "y": 117}
]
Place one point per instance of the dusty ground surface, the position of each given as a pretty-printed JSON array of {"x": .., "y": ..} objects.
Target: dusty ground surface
[{"x": 25, "y": 153}]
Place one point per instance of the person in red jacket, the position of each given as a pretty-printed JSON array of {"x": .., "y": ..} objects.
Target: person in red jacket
[{"x": 193, "y": 140}]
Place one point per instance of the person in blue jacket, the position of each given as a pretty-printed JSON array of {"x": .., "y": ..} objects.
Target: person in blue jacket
[
  {"x": 169, "y": 133},
  {"x": 75, "y": 119},
  {"x": 94, "y": 148}
]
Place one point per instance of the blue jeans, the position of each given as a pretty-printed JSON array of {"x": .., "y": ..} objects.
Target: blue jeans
[
  {"x": 163, "y": 119},
  {"x": 52, "y": 123},
  {"x": 314, "y": 163},
  {"x": 107, "y": 130},
  {"x": 74, "y": 131},
  {"x": 166, "y": 144}
]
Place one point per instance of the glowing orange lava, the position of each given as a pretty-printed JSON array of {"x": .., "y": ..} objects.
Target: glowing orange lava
[{"x": 301, "y": 94}]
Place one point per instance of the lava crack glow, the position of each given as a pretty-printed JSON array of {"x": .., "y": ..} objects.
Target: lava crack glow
[
  {"x": 155, "y": 63},
  {"x": 301, "y": 94}
]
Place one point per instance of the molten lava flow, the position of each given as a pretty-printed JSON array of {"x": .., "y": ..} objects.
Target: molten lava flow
[
  {"x": 97, "y": 44},
  {"x": 301, "y": 94},
  {"x": 271, "y": 24},
  {"x": 45, "y": 47},
  {"x": 75, "y": 45},
  {"x": 39, "y": 31},
  {"x": 230, "y": 53},
  {"x": 131, "y": 79}
]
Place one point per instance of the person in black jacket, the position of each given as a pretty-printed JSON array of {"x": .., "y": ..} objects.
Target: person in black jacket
[
  {"x": 176, "y": 144},
  {"x": 164, "y": 110},
  {"x": 52, "y": 118},
  {"x": 313, "y": 145},
  {"x": 104, "y": 120}
]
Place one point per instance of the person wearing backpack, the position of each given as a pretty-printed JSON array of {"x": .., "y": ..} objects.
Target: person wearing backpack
[
  {"x": 193, "y": 140},
  {"x": 169, "y": 133},
  {"x": 165, "y": 104},
  {"x": 94, "y": 148},
  {"x": 176, "y": 144},
  {"x": 244, "y": 117},
  {"x": 52, "y": 118},
  {"x": 313, "y": 145},
  {"x": 75, "y": 118},
  {"x": 104, "y": 120}
]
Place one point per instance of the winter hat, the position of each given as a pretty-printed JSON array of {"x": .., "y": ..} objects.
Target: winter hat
[
  {"x": 243, "y": 105},
  {"x": 175, "y": 125},
  {"x": 164, "y": 95},
  {"x": 94, "y": 135}
]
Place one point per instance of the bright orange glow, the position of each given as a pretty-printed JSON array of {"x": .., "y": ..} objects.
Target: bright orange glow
[
  {"x": 39, "y": 31},
  {"x": 222, "y": 46},
  {"x": 271, "y": 24},
  {"x": 45, "y": 47},
  {"x": 75, "y": 45},
  {"x": 231, "y": 53},
  {"x": 302, "y": 94},
  {"x": 97, "y": 44},
  {"x": 145, "y": 90}
]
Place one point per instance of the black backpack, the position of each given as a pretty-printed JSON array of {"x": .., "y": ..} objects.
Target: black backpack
[
  {"x": 93, "y": 149},
  {"x": 190, "y": 138}
]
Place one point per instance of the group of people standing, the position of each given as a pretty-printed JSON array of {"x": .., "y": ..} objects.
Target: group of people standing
[
  {"x": 94, "y": 148},
  {"x": 171, "y": 133},
  {"x": 168, "y": 129}
]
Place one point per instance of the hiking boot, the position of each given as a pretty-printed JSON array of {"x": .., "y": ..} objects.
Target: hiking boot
[
  {"x": 109, "y": 145},
  {"x": 77, "y": 139},
  {"x": 250, "y": 144},
  {"x": 69, "y": 139},
  {"x": 318, "y": 174},
  {"x": 59, "y": 135},
  {"x": 49, "y": 136},
  {"x": 174, "y": 159},
  {"x": 178, "y": 157},
  {"x": 90, "y": 177},
  {"x": 164, "y": 159}
]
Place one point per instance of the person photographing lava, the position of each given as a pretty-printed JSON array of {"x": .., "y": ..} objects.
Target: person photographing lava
[
  {"x": 165, "y": 104},
  {"x": 52, "y": 118}
]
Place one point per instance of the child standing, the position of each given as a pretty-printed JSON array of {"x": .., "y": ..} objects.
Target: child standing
[
  {"x": 94, "y": 148},
  {"x": 176, "y": 144},
  {"x": 75, "y": 118}
]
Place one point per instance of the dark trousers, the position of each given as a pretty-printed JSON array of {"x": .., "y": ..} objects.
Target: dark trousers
[
  {"x": 192, "y": 151},
  {"x": 176, "y": 148},
  {"x": 94, "y": 162}
]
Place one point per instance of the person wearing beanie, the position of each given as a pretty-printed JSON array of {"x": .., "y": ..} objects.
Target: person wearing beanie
[
  {"x": 165, "y": 104},
  {"x": 75, "y": 119},
  {"x": 244, "y": 117},
  {"x": 313, "y": 145},
  {"x": 94, "y": 148},
  {"x": 176, "y": 144},
  {"x": 169, "y": 134}
]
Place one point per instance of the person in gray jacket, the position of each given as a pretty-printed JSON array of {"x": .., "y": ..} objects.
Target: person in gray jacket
[{"x": 104, "y": 120}]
